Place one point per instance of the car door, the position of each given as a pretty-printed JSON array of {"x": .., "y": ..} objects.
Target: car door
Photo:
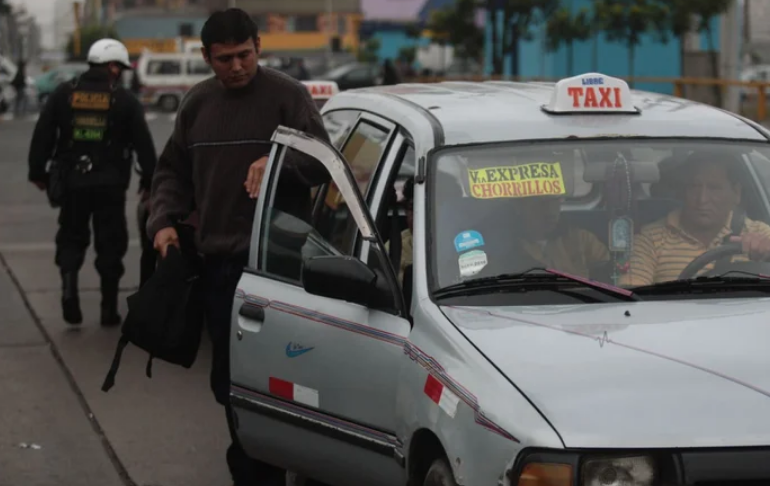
[{"x": 314, "y": 378}]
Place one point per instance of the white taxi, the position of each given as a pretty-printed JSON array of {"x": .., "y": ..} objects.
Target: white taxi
[{"x": 576, "y": 294}]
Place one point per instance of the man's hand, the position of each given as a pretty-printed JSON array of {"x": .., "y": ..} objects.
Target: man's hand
[
  {"x": 164, "y": 238},
  {"x": 756, "y": 245},
  {"x": 254, "y": 179},
  {"x": 40, "y": 185}
]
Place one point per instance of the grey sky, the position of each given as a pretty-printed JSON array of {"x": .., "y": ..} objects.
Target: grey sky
[{"x": 43, "y": 10}]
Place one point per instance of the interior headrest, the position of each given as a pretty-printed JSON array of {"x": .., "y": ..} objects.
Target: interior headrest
[{"x": 641, "y": 172}]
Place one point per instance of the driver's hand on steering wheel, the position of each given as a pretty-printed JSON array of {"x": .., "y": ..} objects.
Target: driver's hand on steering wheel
[{"x": 756, "y": 245}]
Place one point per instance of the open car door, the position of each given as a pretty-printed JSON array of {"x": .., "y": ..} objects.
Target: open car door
[{"x": 317, "y": 335}]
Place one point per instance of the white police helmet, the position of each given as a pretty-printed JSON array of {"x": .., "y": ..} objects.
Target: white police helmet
[{"x": 109, "y": 50}]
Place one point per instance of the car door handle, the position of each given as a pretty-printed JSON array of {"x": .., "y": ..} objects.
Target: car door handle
[{"x": 252, "y": 312}]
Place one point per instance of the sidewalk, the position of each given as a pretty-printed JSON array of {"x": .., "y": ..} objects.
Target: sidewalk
[
  {"x": 165, "y": 431},
  {"x": 46, "y": 437}
]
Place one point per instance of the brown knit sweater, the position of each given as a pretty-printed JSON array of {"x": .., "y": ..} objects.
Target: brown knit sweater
[{"x": 219, "y": 133}]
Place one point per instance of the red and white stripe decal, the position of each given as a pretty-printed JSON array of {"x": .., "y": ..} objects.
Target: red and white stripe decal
[
  {"x": 292, "y": 391},
  {"x": 441, "y": 395}
]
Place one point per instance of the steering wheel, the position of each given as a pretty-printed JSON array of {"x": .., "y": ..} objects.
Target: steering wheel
[{"x": 723, "y": 251}]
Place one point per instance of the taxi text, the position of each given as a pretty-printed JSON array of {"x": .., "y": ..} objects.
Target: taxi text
[{"x": 594, "y": 97}]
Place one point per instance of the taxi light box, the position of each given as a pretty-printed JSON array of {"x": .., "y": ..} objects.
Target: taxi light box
[{"x": 591, "y": 93}]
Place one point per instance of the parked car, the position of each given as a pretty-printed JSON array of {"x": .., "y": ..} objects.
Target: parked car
[
  {"x": 476, "y": 369},
  {"x": 353, "y": 75},
  {"x": 165, "y": 78},
  {"x": 47, "y": 82}
]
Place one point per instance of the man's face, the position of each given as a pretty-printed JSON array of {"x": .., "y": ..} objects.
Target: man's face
[
  {"x": 234, "y": 64},
  {"x": 540, "y": 215},
  {"x": 709, "y": 197}
]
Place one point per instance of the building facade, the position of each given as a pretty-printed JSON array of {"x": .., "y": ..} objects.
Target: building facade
[{"x": 652, "y": 58}]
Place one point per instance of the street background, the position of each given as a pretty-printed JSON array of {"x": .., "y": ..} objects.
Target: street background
[{"x": 56, "y": 425}]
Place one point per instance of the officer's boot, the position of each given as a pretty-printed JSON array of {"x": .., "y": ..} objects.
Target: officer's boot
[
  {"x": 70, "y": 301},
  {"x": 110, "y": 316}
]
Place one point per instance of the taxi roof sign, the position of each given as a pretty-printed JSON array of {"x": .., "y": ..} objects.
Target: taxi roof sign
[
  {"x": 591, "y": 93},
  {"x": 322, "y": 89}
]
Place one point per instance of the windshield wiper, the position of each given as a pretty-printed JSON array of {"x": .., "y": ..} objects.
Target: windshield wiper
[
  {"x": 543, "y": 277},
  {"x": 713, "y": 283}
]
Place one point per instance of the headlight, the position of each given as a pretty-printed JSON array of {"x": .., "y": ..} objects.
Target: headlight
[
  {"x": 585, "y": 468},
  {"x": 619, "y": 471}
]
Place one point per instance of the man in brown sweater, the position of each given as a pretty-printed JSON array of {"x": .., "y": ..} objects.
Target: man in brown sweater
[{"x": 214, "y": 164}]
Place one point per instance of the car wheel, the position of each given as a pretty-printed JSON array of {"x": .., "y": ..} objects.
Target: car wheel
[
  {"x": 168, "y": 103},
  {"x": 440, "y": 474},
  {"x": 3, "y": 106}
]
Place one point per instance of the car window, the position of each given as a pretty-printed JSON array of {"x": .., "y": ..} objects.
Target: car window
[
  {"x": 197, "y": 67},
  {"x": 338, "y": 125},
  {"x": 510, "y": 208},
  {"x": 359, "y": 74},
  {"x": 164, "y": 68},
  {"x": 290, "y": 233},
  {"x": 363, "y": 152}
]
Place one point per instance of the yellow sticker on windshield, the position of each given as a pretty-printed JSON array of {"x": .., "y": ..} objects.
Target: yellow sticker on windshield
[{"x": 526, "y": 180}]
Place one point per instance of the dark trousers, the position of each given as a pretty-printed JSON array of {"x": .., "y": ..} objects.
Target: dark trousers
[
  {"x": 221, "y": 276},
  {"x": 106, "y": 207},
  {"x": 149, "y": 258}
]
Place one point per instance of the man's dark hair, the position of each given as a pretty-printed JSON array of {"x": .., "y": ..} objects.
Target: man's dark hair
[
  {"x": 231, "y": 26},
  {"x": 728, "y": 161}
]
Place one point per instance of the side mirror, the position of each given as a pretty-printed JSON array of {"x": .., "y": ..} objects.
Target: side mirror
[{"x": 346, "y": 278}]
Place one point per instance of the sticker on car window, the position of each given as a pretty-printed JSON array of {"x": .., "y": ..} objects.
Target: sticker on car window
[
  {"x": 526, "y": 180},
  {"x": 472, "y": 263},
  {"x": 468, "y": 240}
]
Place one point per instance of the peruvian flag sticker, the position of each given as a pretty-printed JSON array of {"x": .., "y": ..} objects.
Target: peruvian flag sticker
[{"x": 441, "y": 396}]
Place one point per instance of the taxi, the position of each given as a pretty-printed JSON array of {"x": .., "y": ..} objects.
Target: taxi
[
  {"x": 321, "y": 91},
  {"x": 562, "y": 321}
]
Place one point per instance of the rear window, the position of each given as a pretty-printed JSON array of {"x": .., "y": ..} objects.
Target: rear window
[{"x": 164, "y": 68}]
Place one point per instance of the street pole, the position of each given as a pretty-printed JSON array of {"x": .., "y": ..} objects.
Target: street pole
[{"x": 329, "y": 32}]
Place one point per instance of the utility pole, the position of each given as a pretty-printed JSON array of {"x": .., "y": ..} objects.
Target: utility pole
[
  {"x": 76, "y": 35},
  {"x": 329, "y": 31}
]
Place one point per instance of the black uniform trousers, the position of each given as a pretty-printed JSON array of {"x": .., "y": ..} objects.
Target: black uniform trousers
[
  {"x": 106, "y": 207},
  {"x": 220, "y": 279}
]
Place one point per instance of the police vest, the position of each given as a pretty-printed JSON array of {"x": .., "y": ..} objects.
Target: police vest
[{"x": 91, "y": 106}]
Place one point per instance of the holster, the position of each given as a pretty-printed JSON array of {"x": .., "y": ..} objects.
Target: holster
[{"x": 56, "y": 186}]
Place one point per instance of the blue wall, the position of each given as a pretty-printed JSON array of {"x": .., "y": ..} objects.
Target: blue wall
[
  {"x": 155, "y": 28},
  {"x": 651, "y": 59},
  {"x": 392, "y": 37}
]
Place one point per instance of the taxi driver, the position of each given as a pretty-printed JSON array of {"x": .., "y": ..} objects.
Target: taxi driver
[{"x": 711, "y": 192}]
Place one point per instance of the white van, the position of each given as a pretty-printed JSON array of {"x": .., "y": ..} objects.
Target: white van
[{"x": 165, "y": 78}]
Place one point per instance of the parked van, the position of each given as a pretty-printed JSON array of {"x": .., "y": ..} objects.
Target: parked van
[{"x": 165, "y": 78}]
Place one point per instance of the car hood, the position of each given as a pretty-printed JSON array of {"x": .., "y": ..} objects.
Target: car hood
[{"x": 663, "y": 374}]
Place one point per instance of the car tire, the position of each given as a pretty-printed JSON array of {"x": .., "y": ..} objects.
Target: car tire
[
  {"x": 168, "y": 103},
  {"x": 440, "y": 474}
]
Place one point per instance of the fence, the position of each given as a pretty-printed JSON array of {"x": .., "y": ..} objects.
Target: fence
[{"x": 752, "y": 94}]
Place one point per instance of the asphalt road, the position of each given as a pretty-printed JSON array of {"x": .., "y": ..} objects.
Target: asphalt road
[{"x": 56, "y": 426}]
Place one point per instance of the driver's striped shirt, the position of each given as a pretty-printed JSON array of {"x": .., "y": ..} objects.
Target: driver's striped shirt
[{"x": 663, "y": 249}]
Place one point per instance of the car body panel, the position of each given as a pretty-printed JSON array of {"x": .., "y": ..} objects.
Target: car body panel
[{"x": 681, "y": 360}]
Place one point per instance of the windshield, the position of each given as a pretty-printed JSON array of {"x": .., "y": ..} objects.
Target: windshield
[{"x": 630, "y": 213}]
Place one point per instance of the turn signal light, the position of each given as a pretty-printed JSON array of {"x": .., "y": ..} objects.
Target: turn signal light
[{"x": 538, "y": 474}]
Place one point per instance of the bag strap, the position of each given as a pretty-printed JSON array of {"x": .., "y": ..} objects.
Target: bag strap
[{"x": 109, "y": 380}]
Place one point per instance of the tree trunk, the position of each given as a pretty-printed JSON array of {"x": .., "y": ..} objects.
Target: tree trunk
[
  {"x": 514, "y": 50},
  {"x": 570, "y": 59},
  {"x": 714, "y": 63},
  {"x": 497, "y": 67},
  {"x": 631, "y": 53}
]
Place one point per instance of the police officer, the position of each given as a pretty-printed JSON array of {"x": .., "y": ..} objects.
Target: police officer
[{"x": 88, "y": 130}]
